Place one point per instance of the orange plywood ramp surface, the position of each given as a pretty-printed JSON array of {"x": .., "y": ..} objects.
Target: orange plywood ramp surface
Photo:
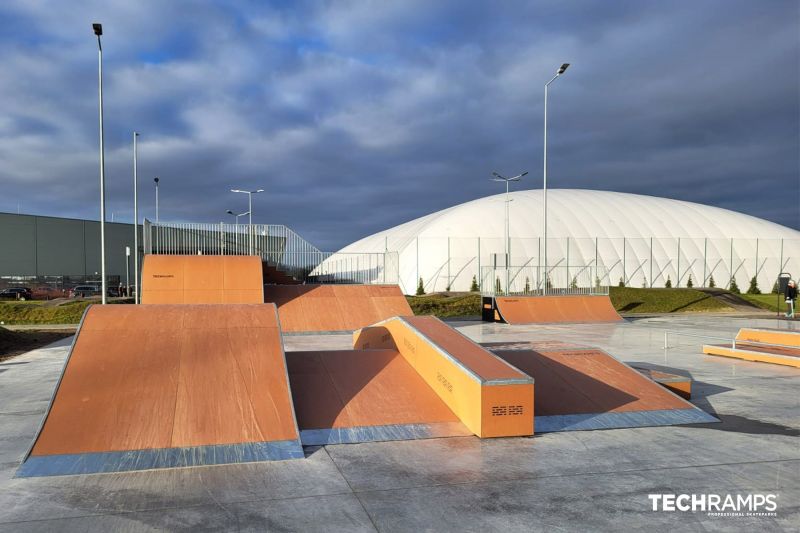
[
  {"x": 304, "y": 308},
  {"x": 202, "y": 279},
  {"x": 489, "y": 396},
  {"x": 781, "y": 337},
  {"x": 579, "y": 389},
  {"x": 365, "y": 395},
  {"x": 155, "y": 386},
  {"x": 556, "y": 309}
]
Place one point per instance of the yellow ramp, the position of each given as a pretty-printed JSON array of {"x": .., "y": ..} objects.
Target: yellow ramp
[
  {"x": 488, "y": 395},
  {"x": 769, "y": 336},
  {"x": 757, "y": 354}
]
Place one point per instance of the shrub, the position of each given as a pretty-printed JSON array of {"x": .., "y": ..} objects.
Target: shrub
[
  {"x": 689, "y": 282},
  {"x": 711, "y": 282},
  {"x": 734, "y": 288},
  {"x": 474, "y": 287},
  {"x": 668, "y": 283},
  {"x": 753, "y": 288},
  {"x": 527, "y": 285},
  {"x": 621, "y": 283},
  {"x": 420, "y": 288},
  {"x": 498, "y": 288}
]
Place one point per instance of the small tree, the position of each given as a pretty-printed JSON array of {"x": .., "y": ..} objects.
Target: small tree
[
  {"x": 474, "y": 287},
  {"x": 753, "y": 288},
  {"x": 527, "y": 285},
  {"x": 574, "y": 283},
  {"x": 548, "y": 282},
  {"x": 498, "y": 288},
  {"x": 447, "y": 289},
  {"x": 734, "y": 288},
  {"x": 420, "y": 288},
  {"x": 597, "y": 282},
  {"x": 689, "y": 282},
  {"x": 621, "y": 283},
  {"x": 668, "y": 283},
  {"x": 644, "y": 282},
  {"x": 711, "y": 283}
]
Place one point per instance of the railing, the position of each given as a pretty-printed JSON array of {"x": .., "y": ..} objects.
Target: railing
[
  {"x": 277, "y": 245},
  {"x": 538, "y": 281}
]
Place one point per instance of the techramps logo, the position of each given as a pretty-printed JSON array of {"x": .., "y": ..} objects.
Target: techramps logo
[{"x": 718, "y": 505}]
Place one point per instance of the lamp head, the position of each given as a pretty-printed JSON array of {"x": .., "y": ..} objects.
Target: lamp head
[
  {"x": 562, "y": 69},
  {"x": 231, "y": 212},
  {"x": 98, "y": 29},
  {"x": 156, "y": 180}
]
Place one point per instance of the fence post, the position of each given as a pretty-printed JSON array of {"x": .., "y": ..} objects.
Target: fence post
[
  {"x": 651, "y": 262},
  {"x": 480, "y": 280},
  {"x": 678, "y": 282},
  {"x": 624, "y": 257},
  {"x": 705, "y": 259}
]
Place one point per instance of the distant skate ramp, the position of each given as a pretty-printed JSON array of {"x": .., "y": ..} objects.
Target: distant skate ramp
[
  {"x": 556, "y": 309},
  {"x": 309, "y": 308}
]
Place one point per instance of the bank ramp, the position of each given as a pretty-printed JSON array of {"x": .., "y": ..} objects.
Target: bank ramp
[
  {"x": 555, "y": 309},
  {"x": 761, "y": 345},
  {"x": 157, "y": 386},
  {"x": 316, "y": 308},
  {"x": 586, "y": 388}
]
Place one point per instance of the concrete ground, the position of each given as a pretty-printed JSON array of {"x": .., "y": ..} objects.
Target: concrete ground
[{"x": 578, "y": 481}]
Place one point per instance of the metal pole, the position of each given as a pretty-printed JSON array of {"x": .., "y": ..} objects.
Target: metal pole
[
  {"x": 156, "y": 180},
  {"x": 103, "y": 286},
  {"x": 250, "y": 215},
  {"x": 651, "y": 262},
  {"x": 705, "y": 259},
  {"x": 127, "y": 271},
  {"x": 544, "y": 193},
  {"x": 508, "y": 259},
  {"x": 678, "y": 282},
  {"x": 136, "y": 298}
]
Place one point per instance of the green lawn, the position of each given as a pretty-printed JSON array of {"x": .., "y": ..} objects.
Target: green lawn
[
  {"x": 446, "y": 305},
  {"x": 40, "y": 312},
  {"x": 773, "y": 302},
  {"x": 630, "y": 300}
]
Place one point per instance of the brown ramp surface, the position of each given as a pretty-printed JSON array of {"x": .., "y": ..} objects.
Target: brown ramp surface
[
  {"x": 351, "y": 396},
  {"x": 556, "y": 309},
  {"x": 157, "y": 386},
  {"x": 305, "y": 308},
  {"x": 581, "y": 389}
]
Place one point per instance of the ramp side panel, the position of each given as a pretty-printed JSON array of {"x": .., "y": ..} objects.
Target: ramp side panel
[
  {"x": 168, "y": 279},
  {"x": 454, "y": 367},
  {"x": 751, "y": 355},
  {"x": 556, "y": 309},
  {"x": 144, "y": 383},
  {"x": 769, "y": 336}
]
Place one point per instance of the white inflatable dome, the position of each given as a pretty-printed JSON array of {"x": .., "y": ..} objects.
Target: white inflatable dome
[{"x": 641, "y": 240}]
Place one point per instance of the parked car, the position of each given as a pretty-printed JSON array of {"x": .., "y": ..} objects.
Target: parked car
[
  {"x": 84, "y": 291},
  {"x": 16, "y": 293}
]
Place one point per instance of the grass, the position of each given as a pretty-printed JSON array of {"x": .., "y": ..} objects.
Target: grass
[
  {"x": 53, "y": 312},
  {"x": 16, "y": 342},
  {"x": 772, "y": 302},
  {"x": 630, "y": 300},
  {"x": 446, "y": 305}
]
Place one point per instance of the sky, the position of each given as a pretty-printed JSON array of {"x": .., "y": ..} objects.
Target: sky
[{"x": 356, "y": 116}]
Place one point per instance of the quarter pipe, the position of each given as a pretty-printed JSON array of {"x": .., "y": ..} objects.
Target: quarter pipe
[{"x": 556, "y": 309}]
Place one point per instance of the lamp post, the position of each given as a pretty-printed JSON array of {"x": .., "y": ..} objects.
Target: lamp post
[
  {"x": 498, "y": 177},
  {"x": 136, "y": 298},
  {"x": 561, "y": 70},
  {"x": 249, "y": 212},
  {"x": 236, "y": 234},
  {"x": 98, "y": 31},
  {"x": 156, "y": 180}
]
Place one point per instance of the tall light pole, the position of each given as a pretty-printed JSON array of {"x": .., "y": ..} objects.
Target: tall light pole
[
  {"x": 561, "y": 70},
  {"x": 136, "y": 298},
  {"x": 498, "y": 177},
  {"x": 249, "y": 212},
  {"x": 98, "y": 31},
  {"x": 156, "y": 181},
  {"x": 236, "y": 234}
]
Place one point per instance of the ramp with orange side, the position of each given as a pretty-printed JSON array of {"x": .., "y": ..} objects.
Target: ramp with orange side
[
  {"x": 157, "y": 386},
  {"x": 490, "y": 397},
  {"x": 761, "y": 345},
  {"x": 586, "y": 389},
  {"x": 555, "y": 309},
  {"x": 308, "y": 308},
  {"x": 202, "y": 279}
]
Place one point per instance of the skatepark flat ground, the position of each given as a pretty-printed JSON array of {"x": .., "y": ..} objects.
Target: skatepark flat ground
[{"x": 572, "y": 481}]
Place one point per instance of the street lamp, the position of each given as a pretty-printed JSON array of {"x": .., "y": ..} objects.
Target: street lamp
[
  {"x": 136, "y": 299},
  {"x": 498, "y": 177},
  {"x": 236, "y": 229},
  {"x": 156, "y": 181},
  {"x": 561, "y": 70},
  {"x": 98, "y": 31},
  {"x": 249, "y": 212}
]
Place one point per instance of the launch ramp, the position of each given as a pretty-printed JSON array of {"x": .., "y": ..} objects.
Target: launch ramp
[
  {"x": 556, "y": 309},
  {"x": 157, "y": 386}
]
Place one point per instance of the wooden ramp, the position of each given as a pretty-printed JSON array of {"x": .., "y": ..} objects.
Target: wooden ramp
[
  {"x": 775, "y": 346},
  {"x": 202, "y": 279},
  {"x": 555, "y": 309},
  {"x": 310, "y": 308},
  {"x": 586, "y": 388},
  {"x": 156, "y": 386}
]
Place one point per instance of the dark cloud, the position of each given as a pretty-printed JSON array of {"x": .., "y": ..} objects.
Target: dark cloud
[{"x": 357, "y": 116}]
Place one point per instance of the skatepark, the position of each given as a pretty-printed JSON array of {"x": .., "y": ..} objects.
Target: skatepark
[{"x": 222, "y": 399}]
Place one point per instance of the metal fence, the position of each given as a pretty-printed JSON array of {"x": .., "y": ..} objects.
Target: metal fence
[
  {"x": 277, "y": 245},
  {"x": 538, "y": 281}
]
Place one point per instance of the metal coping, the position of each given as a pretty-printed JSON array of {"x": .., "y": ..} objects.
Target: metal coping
[
  {"x": 630, "y": 419},
  {"x": 353, "y": 435},
  {"x": 459, "y": 364},
  {"x": 124, "y": 461}
]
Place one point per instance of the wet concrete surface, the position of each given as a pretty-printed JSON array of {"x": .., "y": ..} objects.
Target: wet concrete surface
[{"x": 574, "y": 481}]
